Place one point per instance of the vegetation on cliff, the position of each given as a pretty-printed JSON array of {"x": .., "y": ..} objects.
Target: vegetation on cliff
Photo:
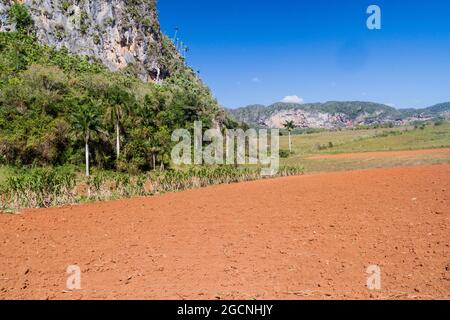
[{"x": 46, "y": 94}]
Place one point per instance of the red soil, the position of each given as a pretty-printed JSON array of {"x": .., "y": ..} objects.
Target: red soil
[
  {"x": 290, "y": 238},
  {"x": 365, "y": 155}
]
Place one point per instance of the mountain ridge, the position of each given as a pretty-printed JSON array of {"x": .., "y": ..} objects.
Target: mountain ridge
[{"x": 334, "y": 114}]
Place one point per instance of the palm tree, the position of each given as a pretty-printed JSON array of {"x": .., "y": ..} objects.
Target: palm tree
[
  {"x": 86, "y": 124},
  {"x": 181, "y": 48},
  {"x": 118, "y": 102},
  {"x": 289, "y": 125},
  {"x": 176, "y": 33}
]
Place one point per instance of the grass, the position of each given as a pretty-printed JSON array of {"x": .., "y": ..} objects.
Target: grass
[
  {"x": 4, "y": 173},
  {"x": 50, "y": 187},
  {"x": 332, "y": 165},
  {"x": 359, "y": 141}
]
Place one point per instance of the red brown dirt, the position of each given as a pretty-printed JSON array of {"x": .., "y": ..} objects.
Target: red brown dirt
[
  {"x": 290, "y": 238},
  {"x": 365, "y": 155}
]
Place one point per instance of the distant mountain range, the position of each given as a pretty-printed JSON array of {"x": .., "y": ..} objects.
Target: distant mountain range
[{"x": 334, "y": 114}]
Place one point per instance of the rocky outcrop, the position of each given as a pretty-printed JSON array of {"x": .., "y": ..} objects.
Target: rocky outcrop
[
  {"x": 120, "y": 33},
  {"x": 334, "y": 114},
  {"x": 306, "y": 119}
]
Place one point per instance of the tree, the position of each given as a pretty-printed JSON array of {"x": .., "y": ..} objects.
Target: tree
[
  {"x": 176, "y": 34},
  {"x": 289, "y": 125},
  {"x": 118, "y": 101},
  {"x": 19, "y": 15},
  {"x": 86, "y": 124}
]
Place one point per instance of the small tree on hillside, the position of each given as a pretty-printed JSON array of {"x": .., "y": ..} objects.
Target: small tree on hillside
[
  {"x": 118, "y": 102},
  {"x": 289, "y": 125},
  {"x": 19, "y": 15},
  {"x": 86, "y": 123}
]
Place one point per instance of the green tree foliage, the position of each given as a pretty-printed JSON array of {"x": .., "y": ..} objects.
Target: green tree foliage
[
  {"x": 21, "y": 17},
  {"x": 86, "y": 124},
  {"x": 289, "y": 125},
  {"x": 42, "y": 89},
  {"x": 118, "y": 103}
]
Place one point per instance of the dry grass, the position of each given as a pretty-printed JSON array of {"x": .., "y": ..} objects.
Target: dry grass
[
  {"x": 49, "y": 187},
  {"x": 349, "y": 141}
]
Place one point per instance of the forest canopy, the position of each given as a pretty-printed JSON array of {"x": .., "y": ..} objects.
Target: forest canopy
[{"x": 47, "y": 94}]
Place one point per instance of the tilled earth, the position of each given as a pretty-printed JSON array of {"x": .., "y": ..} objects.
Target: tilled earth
[{"x": 304, "y": 237}]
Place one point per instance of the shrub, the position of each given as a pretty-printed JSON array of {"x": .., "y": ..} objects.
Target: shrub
[
  {"x": 18, "y": 13},
  {"x": 284, "y": 153},
  {"x": 45, "y": 187},
  {"x": 438, "y": 122},
  {"x": 40, "y": 187}
]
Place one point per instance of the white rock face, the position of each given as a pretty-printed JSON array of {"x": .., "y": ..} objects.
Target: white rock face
[
  {"x": 4, "y": 23},
  {"x": 118, "y": 32},
  {"x": 306, "y": 119}
]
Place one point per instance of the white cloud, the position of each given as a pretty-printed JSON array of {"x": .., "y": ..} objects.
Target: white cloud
[
  {"x": 256, "y": 80},
  {"x": 292, "y": 99}
]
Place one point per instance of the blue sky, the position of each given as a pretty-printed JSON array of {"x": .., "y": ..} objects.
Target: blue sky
[{"x": 260, "y": 51}]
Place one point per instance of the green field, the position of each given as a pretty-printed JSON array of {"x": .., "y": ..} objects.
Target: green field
[
  {"x": 356, "y": 141},
  {"x": 353, "y": 141}
]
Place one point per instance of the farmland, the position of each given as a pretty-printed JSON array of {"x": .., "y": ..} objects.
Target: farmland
[{"x": 306, "y": 146}]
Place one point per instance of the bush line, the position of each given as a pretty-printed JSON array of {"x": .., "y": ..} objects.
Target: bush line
[{"x": 52, "y": 187}]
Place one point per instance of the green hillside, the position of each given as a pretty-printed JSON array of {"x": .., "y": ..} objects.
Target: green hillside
[{"x": 47, "y": 94}]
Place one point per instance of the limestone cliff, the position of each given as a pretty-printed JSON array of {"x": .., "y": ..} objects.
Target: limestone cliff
[
  {"x": 120, "y": 33},
  {"x": 335, "y": 114}
]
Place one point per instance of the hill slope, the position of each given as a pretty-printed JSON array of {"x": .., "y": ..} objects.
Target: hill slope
[{"x": 53, "y": 73}]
